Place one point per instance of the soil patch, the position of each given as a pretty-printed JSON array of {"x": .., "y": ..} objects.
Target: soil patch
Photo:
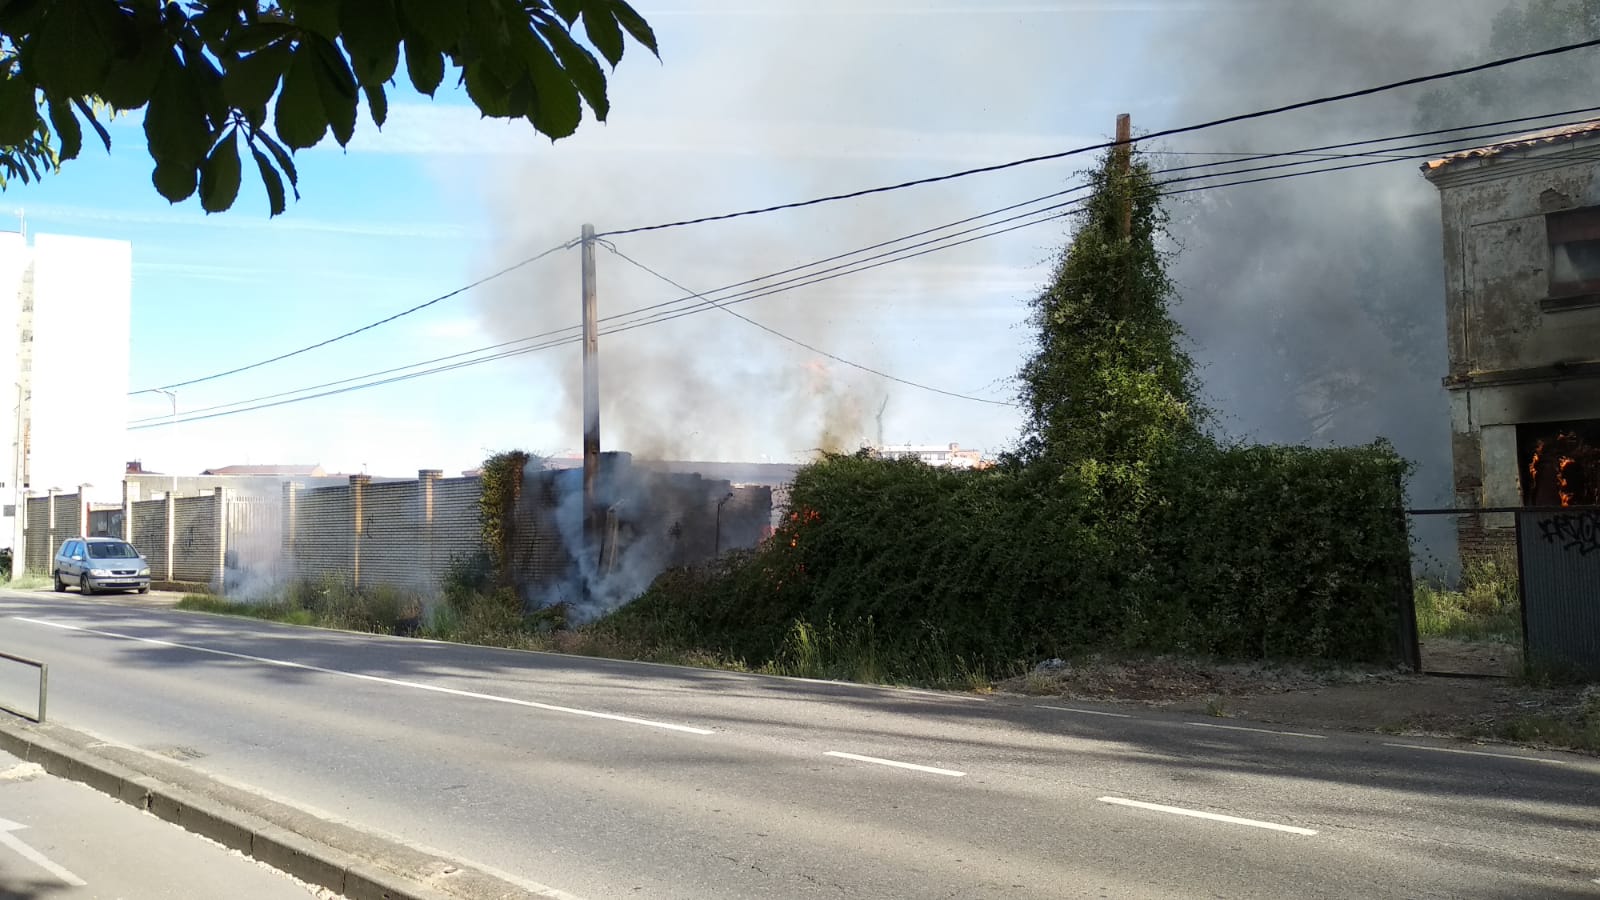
[{"x": 1348, "y": 699}]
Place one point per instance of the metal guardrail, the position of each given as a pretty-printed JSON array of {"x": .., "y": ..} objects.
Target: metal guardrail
[{"x": 44, "y": 683}]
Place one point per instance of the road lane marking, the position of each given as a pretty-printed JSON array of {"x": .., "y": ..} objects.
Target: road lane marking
[
  {"x": 417, "y": 685},
  {"x": 1087, "y": 712},
  {"x": 897, "y": 764},
  {"x": 1215, "y": 817},
  {"x": 1320, "y": 737},
  {"x": 1553, "y": 762},
  {"x": 31, "y": 855}
]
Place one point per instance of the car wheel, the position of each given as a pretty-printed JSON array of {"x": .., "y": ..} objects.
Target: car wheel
[
  {"x": 61, "y": 586},
  {"x": 85, "y": 586},
  {"x": 144, "y": 590}
]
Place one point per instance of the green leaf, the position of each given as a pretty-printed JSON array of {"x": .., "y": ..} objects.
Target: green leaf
[
  {"x": 437, "y": 22},
  {"x": 69, "y": 133},
  {"x": 636, "y": 25},
  {"x": 603, "y": 33},
  {"x": 271, "y": 181},
  {"x": 371, "y": 32},
  {"x": 299, "y": 117},
  {"x": 206, "y": 80},
  {"x": 568, "y": 10},
  {"x": 336, "y": 84},
  {"x": 256, "y": 35},
  {"x": 72, "y": 49},
  {"x": 132, "y": 79},
  {"x": 19, "y": 111},
  {"x": 175, "y": 124},
  {"x": 175, "y": 181},
  {"x": 220, "y": 177},
  {"x": 320, "y": 17},
  {"x": 491, "y": 95},
  {"x": 377, "y": 103},
  {"x": 88, "y": 113},
  {"x": 285, "y": 161},
  {"x": 581, "y": 68},
  {"x": 425, "y": 65},
  {"x": 556, "y": 110},
  {"x": 252, "y": 80}
]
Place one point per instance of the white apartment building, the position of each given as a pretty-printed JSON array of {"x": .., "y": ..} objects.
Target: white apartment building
[{"x": 65, "y": 320}]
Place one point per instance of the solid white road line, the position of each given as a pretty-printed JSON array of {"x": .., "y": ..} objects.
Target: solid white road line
[
  {"x": 31, "y": 855},
  {"x": 1215, "y": 817},
  {"x": 1087, "y": 712},
  {"x": 1535, "y": 759},
  {"x": 1320, "y": 737},
  {"x": 415, "y": 685},
  {"x": 898, "y": 765}
]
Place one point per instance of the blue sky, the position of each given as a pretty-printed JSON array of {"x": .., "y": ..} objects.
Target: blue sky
[{"x": 753, "y": 103}]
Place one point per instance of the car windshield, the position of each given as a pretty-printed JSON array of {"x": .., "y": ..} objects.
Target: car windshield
[{"x": 111, "y": 550}]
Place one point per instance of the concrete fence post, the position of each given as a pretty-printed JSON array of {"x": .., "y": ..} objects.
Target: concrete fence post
[
  {"x": 221, "y": 496},
  {"x": 291, "y": 525},
  {"x": 171, "y": 536},
  {"x": 83, "y": 510},
  {"x": 19, "y": 542},
  {"x": 127, "y": 512},
  {"x": 425, "y": 490},
  {"x": 50, "y": 528},
  {"x": 358, "y": 511}
]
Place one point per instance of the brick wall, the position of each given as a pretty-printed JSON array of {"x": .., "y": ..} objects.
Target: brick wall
[{"x": 150, "y": 535}]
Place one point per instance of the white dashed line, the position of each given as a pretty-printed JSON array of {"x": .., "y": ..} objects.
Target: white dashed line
[
  {"x": 1319, "y": 737},
  {"x": 897, "y": 764},
  {"x": 1215, "y": 817},
  {"x": 1535, "y": 759},
  {"x": 1087, "y": 712},
  {"x": 415, "y": 685}
]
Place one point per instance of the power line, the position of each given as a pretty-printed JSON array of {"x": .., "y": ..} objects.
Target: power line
[
  {"x": 799, "y": 343},
  {"x": 368, "y": 327},
  {"x": 1103, "y": 145},
  {"x": 660, "y": 314}
]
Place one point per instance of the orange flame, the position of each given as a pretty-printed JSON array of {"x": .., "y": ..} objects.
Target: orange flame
[{"x": 1563, "y": 482}]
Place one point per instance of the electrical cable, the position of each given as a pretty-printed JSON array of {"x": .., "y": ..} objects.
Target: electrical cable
[
  {"x": 1055, "y": 212},
  {"x": 1104, "y": 145},
  {"x": 799, "y": 343},
  {"x": 368, "y": 327}
]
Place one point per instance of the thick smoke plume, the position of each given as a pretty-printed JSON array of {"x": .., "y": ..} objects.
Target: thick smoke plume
[{"x": 1316, "y": 304}]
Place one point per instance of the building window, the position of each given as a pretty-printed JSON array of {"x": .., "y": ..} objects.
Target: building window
[{"x": 1574, "y": 252}]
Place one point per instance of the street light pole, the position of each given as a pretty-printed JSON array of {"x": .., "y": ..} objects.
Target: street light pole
[{"x": 173, "y": 396}]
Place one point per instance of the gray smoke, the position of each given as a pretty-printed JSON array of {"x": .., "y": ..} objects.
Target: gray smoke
[
  {"x": 795, "y": 99},
  {"x": 1316, "y": 304}
]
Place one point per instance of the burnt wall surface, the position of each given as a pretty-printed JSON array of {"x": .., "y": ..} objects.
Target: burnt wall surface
[{"x": 1523, "y": 317}]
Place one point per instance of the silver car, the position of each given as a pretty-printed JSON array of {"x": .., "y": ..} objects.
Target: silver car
[{"x": 101, "y": 564}]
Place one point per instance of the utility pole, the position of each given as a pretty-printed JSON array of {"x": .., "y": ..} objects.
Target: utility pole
[
  {"x": 1124, "y": 164},
  {"x": 19, "y": 521},
  {"x": 591, "y": 392}
]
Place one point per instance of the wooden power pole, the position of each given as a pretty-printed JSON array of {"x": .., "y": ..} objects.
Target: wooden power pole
[
  {"x": 591, "y": 392},
  {"x": 1124, "y": 165}
]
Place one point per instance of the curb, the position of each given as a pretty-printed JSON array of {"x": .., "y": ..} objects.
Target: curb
[{"x": 312, "y": 849}]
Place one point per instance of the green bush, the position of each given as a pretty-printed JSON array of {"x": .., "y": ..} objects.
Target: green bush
[{"x": 925, "y": 574}]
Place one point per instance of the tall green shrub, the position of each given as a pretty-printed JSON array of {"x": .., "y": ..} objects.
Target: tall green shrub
[{"x": 1109, "y": 392}]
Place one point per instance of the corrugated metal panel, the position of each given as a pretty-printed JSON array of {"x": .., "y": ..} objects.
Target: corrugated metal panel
[
  {"x": 1560, "y": 553},
  {"x": 196, "y": 540},
  {"x": 150, "y": 534},
  {"x": 67, "y": 525},
  {"x": 38, "y": 538},
  {"x": 254, "y": 559}
]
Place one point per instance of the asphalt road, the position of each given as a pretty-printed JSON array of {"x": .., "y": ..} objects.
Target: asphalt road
[
  {"x": 64, "y": 841},
  {"x": 610, "y": 779}
]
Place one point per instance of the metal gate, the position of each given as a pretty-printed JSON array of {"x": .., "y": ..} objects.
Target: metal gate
[
  {"x": 1558, "y": 554},
  {"x": 252, "y": 563}
]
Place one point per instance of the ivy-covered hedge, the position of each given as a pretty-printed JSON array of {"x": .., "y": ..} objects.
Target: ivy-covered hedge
[{"x": 1248, "y": 553}]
